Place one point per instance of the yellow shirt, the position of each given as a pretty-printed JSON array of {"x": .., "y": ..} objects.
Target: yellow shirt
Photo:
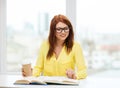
[{"x": 57, "y": 67}]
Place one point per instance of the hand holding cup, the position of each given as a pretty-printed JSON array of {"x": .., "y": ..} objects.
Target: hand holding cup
[{"x": 26, "y": 70}]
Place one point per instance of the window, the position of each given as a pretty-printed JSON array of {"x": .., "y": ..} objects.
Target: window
[
  {"x": 98, "y": 24},
  {"x": 27, "y": 25}
]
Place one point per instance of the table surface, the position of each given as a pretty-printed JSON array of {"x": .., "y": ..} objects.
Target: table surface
[{"x": 6, "y": 81}]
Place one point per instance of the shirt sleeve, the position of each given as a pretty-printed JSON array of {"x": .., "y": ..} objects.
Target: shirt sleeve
[
  {"x": 81, "y": 72},
  {"x": 38, "y": 68}
]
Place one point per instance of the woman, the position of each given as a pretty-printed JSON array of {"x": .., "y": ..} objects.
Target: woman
[{"x": 60, "y": 55}]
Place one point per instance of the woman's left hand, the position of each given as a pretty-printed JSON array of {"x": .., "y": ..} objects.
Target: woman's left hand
[{"x": 71, "y": 74}]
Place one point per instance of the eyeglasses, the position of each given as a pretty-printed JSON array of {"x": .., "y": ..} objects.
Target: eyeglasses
[{"x": 65, "y": 29}]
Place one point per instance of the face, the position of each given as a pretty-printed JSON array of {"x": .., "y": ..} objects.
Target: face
[{"x": 62, "y": 31}]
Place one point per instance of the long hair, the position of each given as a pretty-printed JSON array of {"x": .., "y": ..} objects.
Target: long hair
[{"x": 52, "y": 38}]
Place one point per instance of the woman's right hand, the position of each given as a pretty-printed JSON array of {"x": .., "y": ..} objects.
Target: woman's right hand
[{"x": 26, "y": 73}]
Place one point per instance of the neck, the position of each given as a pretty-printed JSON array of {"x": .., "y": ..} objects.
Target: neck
[{"x": 59, "y": 43}]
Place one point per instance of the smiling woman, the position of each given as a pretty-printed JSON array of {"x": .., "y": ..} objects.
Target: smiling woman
[{"x": 59, "y": 55}]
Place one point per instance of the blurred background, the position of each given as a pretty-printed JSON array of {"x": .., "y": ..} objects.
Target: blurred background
[{"x": 96, "y": 27}]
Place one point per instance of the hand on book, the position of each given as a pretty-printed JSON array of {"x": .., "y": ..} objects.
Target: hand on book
[{"x": 71, "y": 74}]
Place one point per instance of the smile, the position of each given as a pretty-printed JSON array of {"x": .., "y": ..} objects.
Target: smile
[{"x": 62, "y": 35}]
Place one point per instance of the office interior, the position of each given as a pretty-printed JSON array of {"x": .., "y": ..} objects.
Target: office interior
[{"x": 24, "y": 24}]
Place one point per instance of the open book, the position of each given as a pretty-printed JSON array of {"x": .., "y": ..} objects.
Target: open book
[{"x": 44, "y": 80}]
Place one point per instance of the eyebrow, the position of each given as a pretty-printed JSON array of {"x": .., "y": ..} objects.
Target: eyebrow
[{"x": 62, "y": 27}]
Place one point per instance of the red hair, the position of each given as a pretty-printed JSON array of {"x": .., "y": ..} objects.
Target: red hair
[{"x": 52, "y": 38}]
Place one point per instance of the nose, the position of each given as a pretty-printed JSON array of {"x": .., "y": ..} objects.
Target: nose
[{"x": 63, "y": 31}]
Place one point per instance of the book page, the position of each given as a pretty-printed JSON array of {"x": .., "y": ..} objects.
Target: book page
[
  {"x": 59, "y": 79},
  {"x": 29, "y": 80},
  {"x": 21, "y": 81}
]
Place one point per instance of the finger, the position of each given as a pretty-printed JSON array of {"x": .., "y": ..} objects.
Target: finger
[
  {"x": 23, "y": 74},
  {"x": 69, "y": 74},
  {"x": 22, "y": 69},
  {"x": 74, "y": 76}
]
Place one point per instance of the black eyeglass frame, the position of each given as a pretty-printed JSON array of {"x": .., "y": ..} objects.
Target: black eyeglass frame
[{"x": 65, "y": 29}]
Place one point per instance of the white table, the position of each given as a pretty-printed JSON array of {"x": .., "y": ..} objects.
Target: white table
[{"x": 6, "y": 81}]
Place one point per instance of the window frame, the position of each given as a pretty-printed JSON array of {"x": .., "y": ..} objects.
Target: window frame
[
  {"x": 2, "y": 36},
  {"x": 70, "y": 12}
]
